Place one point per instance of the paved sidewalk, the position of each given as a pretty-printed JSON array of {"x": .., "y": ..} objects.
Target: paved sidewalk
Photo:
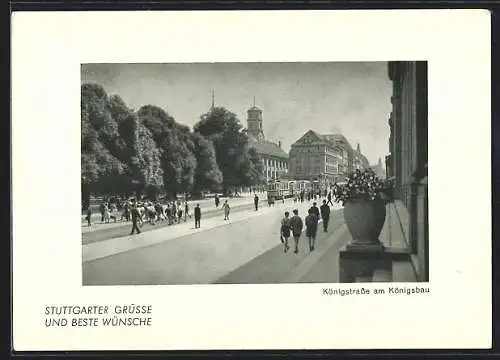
[
  {"x": 101, "y": 249},
  {"x": 207, "y": 205}
]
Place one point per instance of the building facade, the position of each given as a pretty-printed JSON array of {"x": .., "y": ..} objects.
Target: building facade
[
  {"x": 346, "y": 154},
  {"x": 359, "y": 161},
  {"x": 406, "y": 163},
  {"x": 324, "y": 158},
  {"x": 274, "y": 159},
  {"x": 379, "y": 169}
]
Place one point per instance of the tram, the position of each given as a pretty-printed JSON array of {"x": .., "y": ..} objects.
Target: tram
[
  {"x": 302, "y": 185},
  {"x": 280, "y": 189}
]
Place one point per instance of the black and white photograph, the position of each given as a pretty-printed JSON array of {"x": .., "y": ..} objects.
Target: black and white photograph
[
  {"x": 251, "y": 180},
  {"x": 254, "y": 173}
]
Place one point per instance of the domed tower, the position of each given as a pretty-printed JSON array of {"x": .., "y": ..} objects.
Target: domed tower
[{"x": 254, "y": 122}]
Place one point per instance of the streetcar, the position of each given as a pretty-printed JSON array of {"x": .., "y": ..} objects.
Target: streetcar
[
  {"x": 280, "y": 189},
  {"x": 302, "y": 186}
]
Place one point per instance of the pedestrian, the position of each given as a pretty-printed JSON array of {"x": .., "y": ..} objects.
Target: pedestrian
[
  {"x": 325, "y": 215},
  {"x": 135, "y": 217},
  {"x": 256, "y": 202},
  {"x": 168, "y": 213},
  {"x": 89, "y": 215},
  {"x": 217, "y": 200},
  {"x": 114, "y": 212},
  {"x": 151, "y": 213},
  {"x": 102, "y": 210},
  {"x": 326, "y": 192},
  {"x": 126, "y": 212},
  {"x": 197, "y": 216},
  {"x": 315, "y": 210},
  {"x": 311, "y": 228},
  {"x": 226, "y": 210},
  {"x": 107, "y": 214},
  {"x": 285, "y": 230},
  {"x": 329, "y": 197},
  {"x": 158, "y": 210},
  {"x": 186, "y": 211},
  {"x": 179, "y": 214},
  {"x": 174, "y": 211},
  {"x": 296, "y": 226}
]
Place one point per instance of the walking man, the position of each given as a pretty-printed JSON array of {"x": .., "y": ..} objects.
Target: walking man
[
  {"x": 197, "y": 216},
  {"x": 217, "y": 200},
  {"x": 135, "y": 217},
  {"x": 311, "y": 228},
  {"x": 174, "y": 211},
  {"x": 226, "y": 210},
  {"x": 315, "y": 210},
  {"x": 296, "y": 226},
  {"x": 285, "y": 230},
  {"x": 186, "y": 211},
  {"x": 256, "y": 202},
  {"x": 325, "y": 215},
  {"x": 89, "y": 215},
  {"x": 102, "y": 210},
  {"x": 329, "y": 197}
]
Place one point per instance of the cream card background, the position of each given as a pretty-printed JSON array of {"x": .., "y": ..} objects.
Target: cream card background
[{"x": 47, "y": 50}]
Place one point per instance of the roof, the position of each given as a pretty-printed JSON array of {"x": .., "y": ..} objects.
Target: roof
[
  {"x": 269, "y": 148},
  {"x": 254, "y": 108},
  {"x": 336, "y": 138}
]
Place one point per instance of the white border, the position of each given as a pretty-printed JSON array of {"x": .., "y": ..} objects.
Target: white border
[{"x": 47, "y": 50}]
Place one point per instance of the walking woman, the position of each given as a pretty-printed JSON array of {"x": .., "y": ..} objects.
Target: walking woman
[{"x": 226, "y": 210}]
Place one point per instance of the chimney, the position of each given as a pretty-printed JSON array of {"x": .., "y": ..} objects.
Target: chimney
[{"x": 279, "y": 144}]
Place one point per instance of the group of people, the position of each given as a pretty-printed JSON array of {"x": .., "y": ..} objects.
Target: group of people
[
  {"x": 172, "y": 212},
  {"x": 175, "y": 211},
  {"x": 293, "y": 226},
  {"x": 152, "y": 212},
  {"x": 313, "y": 195}
]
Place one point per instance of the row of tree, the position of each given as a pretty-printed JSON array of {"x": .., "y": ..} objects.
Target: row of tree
[{"x": 127, "y": 152}]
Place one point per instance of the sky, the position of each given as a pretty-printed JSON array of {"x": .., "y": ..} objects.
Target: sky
[{"x": 349, "y": 98}]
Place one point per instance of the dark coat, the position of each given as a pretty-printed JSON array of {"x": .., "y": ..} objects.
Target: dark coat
[
  {"x": 311, "y": 225},
  {"x": 315, "y": 211},
  {"x": 296, "y": 225},
  {"x": 197, "y": 213},
  {"x": 325, "y": 211}
]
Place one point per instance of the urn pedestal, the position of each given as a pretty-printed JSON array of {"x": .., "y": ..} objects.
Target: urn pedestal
[{"x": 365, "y": 254}]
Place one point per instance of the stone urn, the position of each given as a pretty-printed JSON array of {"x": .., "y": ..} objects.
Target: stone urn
[{"x": 364, "y": 219}]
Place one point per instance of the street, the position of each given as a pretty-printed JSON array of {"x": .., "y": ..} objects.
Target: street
[{"x": 246, "y": 249}]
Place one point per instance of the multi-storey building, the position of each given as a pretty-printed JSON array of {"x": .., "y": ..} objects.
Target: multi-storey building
[
  {"x": 274, "y": 158},
  {"x": 407, "y": 162},
  {"x": 323, "y": 158},
  {"x": 359, "y": 161},
  {"x": 346, "y": 154},
  {"x": 379, "y": 169}
]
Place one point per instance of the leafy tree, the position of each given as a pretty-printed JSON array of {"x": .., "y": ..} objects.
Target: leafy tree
[
  {"x": 254, "y": 174},
  {"x": 223, "y": 128},
  {"x": 208, "y": 175},
  {"x": 101, "y": 144},
  {"x": 144, "y": 157},
  {"x": 96, "y": 112},
  {"x": 178, "y": 161}
]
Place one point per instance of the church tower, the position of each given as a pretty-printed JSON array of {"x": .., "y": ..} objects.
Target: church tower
[{"x": 254, "y": 122}]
